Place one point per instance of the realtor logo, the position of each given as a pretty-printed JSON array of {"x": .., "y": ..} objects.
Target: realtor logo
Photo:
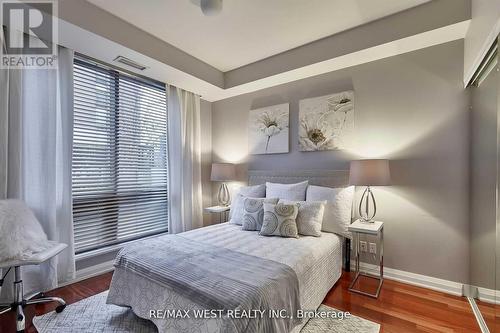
[{"x": 29, "y": 34}]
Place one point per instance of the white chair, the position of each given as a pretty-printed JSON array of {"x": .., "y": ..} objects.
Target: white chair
[{"x": 19, "y": 301}]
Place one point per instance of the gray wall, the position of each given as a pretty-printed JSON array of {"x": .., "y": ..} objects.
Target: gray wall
[{"x": 411, "y": 109}]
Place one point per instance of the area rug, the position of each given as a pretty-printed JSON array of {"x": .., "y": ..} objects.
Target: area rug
[{"x": 93, "y": 315}]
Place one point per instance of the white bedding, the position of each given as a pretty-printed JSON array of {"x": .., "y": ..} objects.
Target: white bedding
[{"x": 317, "y": 261}]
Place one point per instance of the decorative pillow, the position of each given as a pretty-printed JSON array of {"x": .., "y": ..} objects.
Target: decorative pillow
[
  {"x": 236, "y": 211},
  {"x": 280, "y": 220},
  {"x": 310, "y": 217},
  {"x": 254, "y": 212},
  {"x": 295, "y": 192},
  {"x": 338, "y": 209}
]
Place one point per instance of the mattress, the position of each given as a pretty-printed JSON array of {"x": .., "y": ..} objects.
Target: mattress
[{"x": 317, "y": 261}]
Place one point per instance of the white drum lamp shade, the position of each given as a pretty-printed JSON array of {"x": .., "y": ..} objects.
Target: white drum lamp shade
[
  {"x": 369, "y": 173},
  {"x": 223, "y": 172}
]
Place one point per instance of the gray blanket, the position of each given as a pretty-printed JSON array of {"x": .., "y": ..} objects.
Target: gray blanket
[{"x": 252, "y": 294}]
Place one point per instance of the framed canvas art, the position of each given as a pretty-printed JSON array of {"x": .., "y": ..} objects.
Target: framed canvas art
[
  {"x": 268, "y": 130},
  {"x": 326, "y": 122}
]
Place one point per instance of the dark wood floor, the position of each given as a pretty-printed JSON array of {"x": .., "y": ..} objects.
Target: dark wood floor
[
  {"x": 404, "y": 308},
  {"x": 400, "y": 308}
]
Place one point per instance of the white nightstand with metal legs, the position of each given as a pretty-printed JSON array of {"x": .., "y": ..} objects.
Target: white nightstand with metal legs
[{"x": 367, "y": 228}]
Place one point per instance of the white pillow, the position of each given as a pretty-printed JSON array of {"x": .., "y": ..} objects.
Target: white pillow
[
  {"x": 21, "y": 235},
  {"x": 310, "y": 217},
  {"x": 255, "y": 191},
  {"x": 338, "y": 209},
  {"x": 236, "y": 210},
  {"x": 295, "y": 192}
]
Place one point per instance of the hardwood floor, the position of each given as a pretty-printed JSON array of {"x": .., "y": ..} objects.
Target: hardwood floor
[
  {"x": 404, "y": 308},
  {"x": 400, "y": 308}
]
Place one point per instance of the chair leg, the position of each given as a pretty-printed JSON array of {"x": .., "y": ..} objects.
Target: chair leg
[
  {"x": 38, "y": 294},
  {"x": 20, "y": 319},
  {"x": 18, "y": 300},
  {"x": 60, "y": 307}
]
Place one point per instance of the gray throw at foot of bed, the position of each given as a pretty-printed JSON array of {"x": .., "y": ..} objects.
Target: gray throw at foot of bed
[{"x": 217, "y": 278}]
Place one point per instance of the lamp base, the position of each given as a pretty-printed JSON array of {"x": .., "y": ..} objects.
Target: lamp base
[
  {"x": 223, "y": 197},
  {"x": 366, "y": 216}
]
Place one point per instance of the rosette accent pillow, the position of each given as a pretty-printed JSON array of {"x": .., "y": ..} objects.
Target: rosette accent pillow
[
  {"x": 280, "y": 220},
  {"x": 237, "y": 211},
  {"x": 254, "y": 212}
]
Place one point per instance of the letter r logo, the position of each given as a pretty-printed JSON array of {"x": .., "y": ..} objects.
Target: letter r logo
[{"x": 30, "y": 28}]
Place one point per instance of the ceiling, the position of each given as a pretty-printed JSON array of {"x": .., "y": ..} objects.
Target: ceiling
[{"x": 247, "y": 31}]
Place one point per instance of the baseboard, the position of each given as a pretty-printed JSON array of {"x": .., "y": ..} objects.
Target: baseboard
[
  {"x": 487, "y": 295},
  {"x": 86, "y": 273},
  {"x": 449, "y": 287},
  {"x": 95, "y": 270}
]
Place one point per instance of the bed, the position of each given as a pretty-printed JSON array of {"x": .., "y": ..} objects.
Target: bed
[{"x": 315, "y": 261}]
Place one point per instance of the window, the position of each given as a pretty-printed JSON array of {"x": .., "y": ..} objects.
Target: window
[{"x": 119, "y": 157}]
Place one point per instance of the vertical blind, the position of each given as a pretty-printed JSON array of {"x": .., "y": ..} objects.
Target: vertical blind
[{"x": 119, "y": 157}]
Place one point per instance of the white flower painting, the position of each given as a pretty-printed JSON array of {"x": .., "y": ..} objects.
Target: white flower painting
[
  {"x": 268, "y": 130},
  {"x": 326, "y": 122}
]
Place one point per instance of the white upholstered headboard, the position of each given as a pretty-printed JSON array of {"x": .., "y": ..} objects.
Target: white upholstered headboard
[{"x": 327, "y": 178}]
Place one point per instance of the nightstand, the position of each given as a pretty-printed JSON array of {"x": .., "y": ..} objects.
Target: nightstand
[
  {"x": 376, "y": 228},
  {"x": 223, "y": 212}
]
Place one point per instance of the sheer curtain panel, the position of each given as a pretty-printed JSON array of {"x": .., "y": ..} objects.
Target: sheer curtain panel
[
  {"x": 184, "y": 160},
  {"x": 36, "y": 133}
]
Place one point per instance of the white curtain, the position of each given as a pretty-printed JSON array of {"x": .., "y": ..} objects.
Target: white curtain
[
  {"x": 36, "y": 137},
  {"x": 184, "y": 161}
]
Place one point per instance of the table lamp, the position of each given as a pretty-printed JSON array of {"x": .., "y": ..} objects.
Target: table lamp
[
  {"x": 369, "y": 173},
  {"x": 223, "y": 172}
]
